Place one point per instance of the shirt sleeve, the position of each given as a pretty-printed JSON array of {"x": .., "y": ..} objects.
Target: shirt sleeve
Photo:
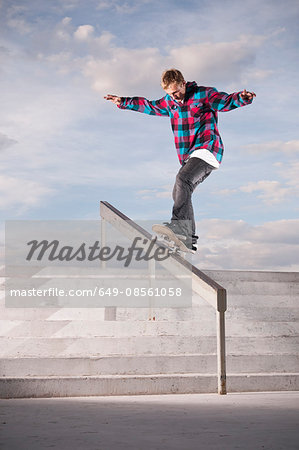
[
  {"x": 221, "y": 101},
  {"x": 141, "y": 104}
]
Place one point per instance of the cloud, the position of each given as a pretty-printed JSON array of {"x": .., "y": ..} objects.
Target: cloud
[
  {"x": 6, "y": 142},
  {"x": 129, "y": 69},
  {"x": 269, "y": 191},
  {"x": 226, "y": 244},
  {"x": 289, "y": 188},
  {"x": 288, "y": 147},
  {"x": 16, "y": 18},
  {"x": 84, "y": 32},
  {"x": 286, "y": 185},
  {"x": 20, "y": 25},
  {"x": 21, "y": 193},
  {"x": 64, "y": 30},
  {"x": 122, "y": 7},
  {"x": 109, "y": 67},
  {"x": 290, "y": 173},
  {"x": 125, "y": 70},
  {"x": 159, "y": 192},
  {"x": 230, "y": 59}
]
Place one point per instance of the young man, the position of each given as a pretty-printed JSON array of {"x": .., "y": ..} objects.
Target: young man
[{"x": 193, "y": 114}]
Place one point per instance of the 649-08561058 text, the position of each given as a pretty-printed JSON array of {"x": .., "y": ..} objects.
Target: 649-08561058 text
[{"x": 101, "y": 292}]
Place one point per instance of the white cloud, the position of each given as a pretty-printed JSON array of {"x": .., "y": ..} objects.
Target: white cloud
[
  {"x": 268, "y": 191},
  {"x": 20, "y": 25},
  {"x": 288, "y": 147},
  {"x": 159, "y": 192},
  {"x": 278, "y": 191},
  {"x": 290, "y": 173},
  {"x": 230, "y": 59},
  {"x": 64, "y": 29},
  {"x": 21, "y": 194},
  {"x": 271, "y": 192},
  {"x": 228, "y": 244},
  {"x": 16, "y": 18},
  {"x": 286, "y": 185},
  {"x": 138, "y": 69},
  {"x": 124, "y": 70},
  {"x": 278, "y": 232},
  {"x": 66, "y": 20},
  {"x": 110, "y": 67},
  {"x": 84, "y": 32}
]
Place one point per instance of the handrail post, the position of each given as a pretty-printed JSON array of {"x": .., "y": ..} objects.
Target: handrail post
[
  {"x": 152, "y": 276},
  {"x": 110, "y": 311},
  {"x": 221, "y": 363},
  {"x": 103, "y": 239}
]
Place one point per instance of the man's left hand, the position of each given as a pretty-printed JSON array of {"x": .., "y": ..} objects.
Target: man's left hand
[{"x": 245, "y": 95}]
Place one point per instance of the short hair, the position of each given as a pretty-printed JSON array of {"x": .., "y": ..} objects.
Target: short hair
[{"x": 170, "y": 76}]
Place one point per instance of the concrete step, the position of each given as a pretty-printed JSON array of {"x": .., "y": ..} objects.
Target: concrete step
[
  {"x": 98, "y": 328},
  {"x": 263, "y": 314},
  {"x": 144, "y": 345},
  {"x": 241, "y": 275},
  {"x": 104, "y": 346},
  {"x": 52, "y": 313},
  {"x": 260, "y": 287},
  {"x": 141, "y": 384},
  {"x": 150, "y": 364},
  {"x": 110, "y": 365},
  {"x": 79, "y": 328},
  {"x": 257, "y": 283},
  {"x": 262, "y": 300},
  {"x": 123, "y": 314}
]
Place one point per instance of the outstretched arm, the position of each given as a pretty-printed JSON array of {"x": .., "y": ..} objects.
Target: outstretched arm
[
  {"x": 140, "y": 104},
  {"x": 221, "y": 101}
]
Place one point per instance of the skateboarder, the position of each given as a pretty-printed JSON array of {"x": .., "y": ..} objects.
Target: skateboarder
[{"x": 193, "y": 113}]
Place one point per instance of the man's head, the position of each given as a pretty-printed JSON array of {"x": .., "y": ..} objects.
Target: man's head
[{"x": 174, "y": 84}]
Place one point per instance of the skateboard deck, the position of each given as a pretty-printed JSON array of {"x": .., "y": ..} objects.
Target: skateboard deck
[{"x": 170, "y": 239}]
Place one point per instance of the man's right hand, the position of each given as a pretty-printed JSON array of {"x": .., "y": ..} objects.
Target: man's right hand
[{"x": 113, "y": 98}]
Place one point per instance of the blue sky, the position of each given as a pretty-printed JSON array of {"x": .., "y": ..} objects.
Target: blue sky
[{"x": 63, "y": 148}]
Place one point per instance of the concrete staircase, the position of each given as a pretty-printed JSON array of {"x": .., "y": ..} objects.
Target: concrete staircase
[
  {"x": 263, "y": 318},
  {"x": 75, "y": 352}
]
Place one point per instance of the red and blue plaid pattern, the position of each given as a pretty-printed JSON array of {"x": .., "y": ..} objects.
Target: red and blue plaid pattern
[{"x": 194, "y": 122}]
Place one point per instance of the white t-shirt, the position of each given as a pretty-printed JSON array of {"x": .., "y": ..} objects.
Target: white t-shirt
[{"x": 206, "y": 155}]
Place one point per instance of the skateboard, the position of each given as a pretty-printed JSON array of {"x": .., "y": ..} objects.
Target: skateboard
[{"x": 170, "y": 239}]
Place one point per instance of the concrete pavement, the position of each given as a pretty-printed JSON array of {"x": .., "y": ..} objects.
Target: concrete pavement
[{"x": 247, "y": 421}]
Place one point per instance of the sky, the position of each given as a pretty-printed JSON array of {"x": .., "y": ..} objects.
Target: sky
[{"x": 63, "y": 148}]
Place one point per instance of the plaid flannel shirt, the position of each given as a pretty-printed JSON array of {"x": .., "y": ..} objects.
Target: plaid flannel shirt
[{"x": 193, "y": 122}]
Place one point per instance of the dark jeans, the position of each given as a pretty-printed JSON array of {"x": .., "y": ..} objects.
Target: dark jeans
[{"x": 190, "y": 175}]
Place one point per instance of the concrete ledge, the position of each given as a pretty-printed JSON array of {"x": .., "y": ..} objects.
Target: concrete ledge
[
  {"x": 263, "y": 382},
  {"x": 37, "y": 387},
  {"x": 106, "y": 385},
  {"x": 145, "y": 365},
  {"x": 254, "y": 275}
]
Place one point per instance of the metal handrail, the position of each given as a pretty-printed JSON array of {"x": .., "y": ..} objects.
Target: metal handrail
[{"x": 202, "y": 284}]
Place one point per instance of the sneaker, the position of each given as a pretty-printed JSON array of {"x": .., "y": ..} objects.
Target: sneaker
[
  {"x": 192, "y": 243},
  {"x": 191, "y": 246}
]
